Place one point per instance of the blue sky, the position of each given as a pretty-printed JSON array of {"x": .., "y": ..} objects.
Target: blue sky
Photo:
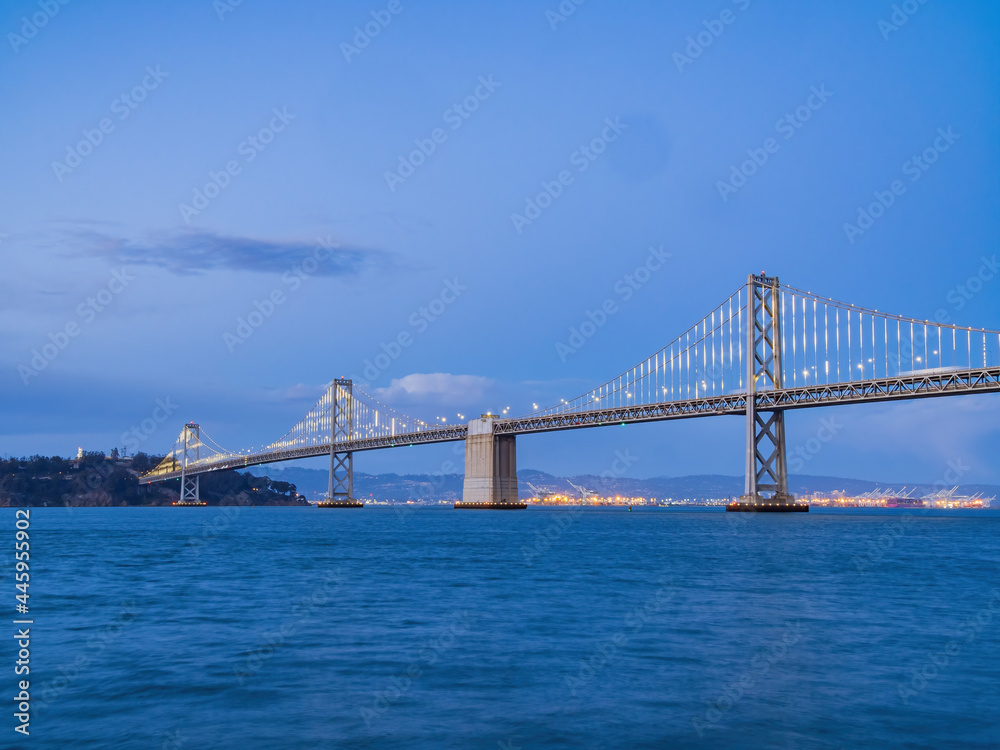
[{"x": 303, "y": 136}]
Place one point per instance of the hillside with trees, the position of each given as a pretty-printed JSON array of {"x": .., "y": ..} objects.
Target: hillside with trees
[{"x": 110, "y": 481}]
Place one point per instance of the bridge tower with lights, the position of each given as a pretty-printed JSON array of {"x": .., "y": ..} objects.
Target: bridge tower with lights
[
  {"x": 766, "y": 462},
  {"x": 190, "y": 453},
  {"x": 341, "y": 488}
]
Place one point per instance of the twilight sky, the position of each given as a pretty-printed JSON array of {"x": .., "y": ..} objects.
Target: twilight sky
[{"x": 172, "y": 169}]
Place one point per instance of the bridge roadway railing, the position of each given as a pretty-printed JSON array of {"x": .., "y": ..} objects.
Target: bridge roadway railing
[
  {"x": 444, "y": 434},
  {"x": 912, "y": 385},
  {"x": 735, "y": 403},
  {"x": 924, "y": 384}
]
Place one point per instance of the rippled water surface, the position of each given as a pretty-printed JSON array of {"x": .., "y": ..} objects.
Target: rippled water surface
[{"x": 435, "y": 628}]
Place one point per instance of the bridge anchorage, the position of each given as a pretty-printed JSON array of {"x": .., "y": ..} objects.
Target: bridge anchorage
[{"x": 767, "y": 349}]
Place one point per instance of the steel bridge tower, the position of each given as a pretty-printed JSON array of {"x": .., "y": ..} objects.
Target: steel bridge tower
[
  {"x": 190, "y": 452},
  {"x": 766, "y": 465},
  {"x": 341, "y": 488}
]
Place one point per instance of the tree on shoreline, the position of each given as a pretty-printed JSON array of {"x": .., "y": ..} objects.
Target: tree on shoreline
[{"x": 96, "y": 479}]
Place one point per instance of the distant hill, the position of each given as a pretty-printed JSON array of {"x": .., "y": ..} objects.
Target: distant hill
[
  {"x": 97, "y": 480},
  {"x": 313, "y": 484}
]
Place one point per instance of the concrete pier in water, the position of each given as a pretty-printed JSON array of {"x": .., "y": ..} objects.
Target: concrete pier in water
[{"x": 490, "y": 469}]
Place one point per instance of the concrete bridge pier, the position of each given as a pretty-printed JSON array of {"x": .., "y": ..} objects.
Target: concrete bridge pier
[{"x": 490, "y": 469}]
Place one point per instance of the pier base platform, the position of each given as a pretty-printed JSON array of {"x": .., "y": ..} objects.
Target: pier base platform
[
  {"x": 767, "y": 508},
  {"x": 341, "y": 504},
  {"x": 491, "y": 506}
]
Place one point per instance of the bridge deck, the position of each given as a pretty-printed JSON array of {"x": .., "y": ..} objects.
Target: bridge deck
[{"x": 916, "y": 385}]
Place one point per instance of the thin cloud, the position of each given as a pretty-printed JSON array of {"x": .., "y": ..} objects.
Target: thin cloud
[
  {"x": 435, "y": 387},
  {"x": 302, "y": 391},
  {"x": 197, "y": 252}
]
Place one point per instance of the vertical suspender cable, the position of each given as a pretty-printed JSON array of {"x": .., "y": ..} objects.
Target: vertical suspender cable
[
  {"x": 836, "y": 316},
  {"x": 861, "y": 339},
  {"x": 730, "y": 340},
  {"x": 805, "y": 340},
  {"x": 740, "y": 335},
  {"x": 795, "y": 367},
  {"x": 704, "y": 350},
  {"x": 874, "y": 356},
  {"x": 826, "y": 342},
  {"x": 713, "y": 353}
]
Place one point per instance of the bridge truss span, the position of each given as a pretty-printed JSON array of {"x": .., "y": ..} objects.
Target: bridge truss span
[
  {"x": 702, "y": 407},
  {"x": 345, "y": 419},
  {"x": 770, "y": 347},
  {"x": 977, "y": 380},
  {"x": 802, "y": 341},
  {"x": 765, "y": 349}
]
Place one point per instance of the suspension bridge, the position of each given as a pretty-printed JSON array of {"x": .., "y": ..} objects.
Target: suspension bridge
[{"x": 766, "y": 349}]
